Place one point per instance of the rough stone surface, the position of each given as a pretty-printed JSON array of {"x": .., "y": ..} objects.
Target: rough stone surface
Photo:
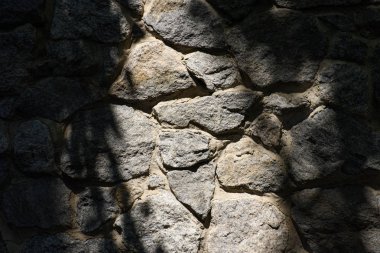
[
  {"x": 216, "y": 72},
  {"x": 375, "y": 71},
  {"x": 135, "y": 6},
  {"x": 23, "y": 11},
  {"x": 367, "y": 21},
  {"x": 3, "y": 246},
  {"x": 128, "y": 192},
  {"x": 222, "y": 112},
  {"x": 246, "y": 224},
  {"x": 156, "y": 181},
  {"x": 151, "y": 71},
  {"x": 302, "y": 4},
  {"x": 183, "y": 148},
  {"x": 4, "y": 170},
  {"x": 161, "y": 224},
  {"x": 348, "y": 48},
  {"x": 190, "y": 23},
  {"x": 268, "y": 128},
  {"x": 7, "y": 107},
  {"x": 108, "y": 144},
  {"x": 33, "y": 148},
  {"x": 247, "y": 164},
  {"x": 344, "y": 23},
  {"x": 234, "y": 9},
  {"x": 194, "y": 189},
  {"x": 42, "y": 203},
  {"x": 4, "y": 141},
  {"x": 270, "y": 56}
]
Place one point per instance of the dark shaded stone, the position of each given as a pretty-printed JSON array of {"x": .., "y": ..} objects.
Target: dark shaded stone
[
  {"x": 374, "y": 61},
  {"x": 236, "y": 9},
  {"x": 367, "y": 22},
  {"x": 3, "y": 246},
  {"x": 344, "y": 23},
  {"x": 268, "y": 128},
  {"x": 20, "y": 11},
  {"x": 4, "y": 170},
  {"x": 303, "y": 4},
  {"x": 348, "y": 48},
  {"x": 4, "y": 139},
  {"x": 7, "y": 107},
  {"x": 135, "y": 6}
]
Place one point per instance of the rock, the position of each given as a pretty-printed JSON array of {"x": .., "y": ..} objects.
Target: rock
[
  {"x": 338, "y": 220},
  {"x": 4, "y": 141},
  {"x": 42, "y": 203},
  {"x": 55, "y": 98},
  {"x": 215, "y": 71},
  {"x": 4, "y": 170},
  {"x": 344, "y": 23},
  {"x": 33, "y": 148},
  {"x": 194, "y": 189},
  {"x": 97, "y": 20},
  {"x": 156, "y": 181},
  {"x": 271, "y": 55},
  {"x": 152, "y": 71},
  {"x": 183, "y": 148},
  {"x": 128, "y": 192},
  {"x": 189, "y": 23},
  {"x": 374, "y": 62},
  {"x": 7, "y": 107},
  {"x": 161, "y": 224},
  {"x": 268, "y": 128},
  {"x": 135, "y": 6},
  {"x": 303, "y": 4},
  {"x": 234, "y": 9},
  {"x": 23, "y": 11},
  {"x": 3, "y": 246},
  {"x": 108, "y": 144},
  {"x": 248, "y": 165},
  {"x": 348, "y": 48},
  {"x": 96, "y": 206},
  {"x": 220, "y": 113},
  {"x": 367, "y": 21},
  {"x": 246, "y": 224}
]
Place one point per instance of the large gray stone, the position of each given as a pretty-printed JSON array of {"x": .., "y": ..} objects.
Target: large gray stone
[
  {"x": 4, "y": 139},
  {"x": 43, "y": 203},
  {"x": 236, "y": 9},
  {"x": 194, "y": 189},
  {"x": 303, "y": 4},
  {"x": 108, "y": 144},
  {"x": 189, "y": 23}
]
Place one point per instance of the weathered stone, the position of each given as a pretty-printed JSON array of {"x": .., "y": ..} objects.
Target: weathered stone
[
  {"x": 234, "y": 9},
  {"x": 189, "y": 23},
  {"x": 96, "y": 206},
  {"x": 156, "y": 182},
  {"x": 247, "y": 164},
  {"x": 348, "y": 48},
  {"x": 33, "y": 148},
  {"x": 222, "y": 112},
  {"x": 194, "y": 189},
  {"x": 268, "y": 128},
  {"x": 12, "y": 13},
  {"x": 135, "y": 6},
  {"x": 161, "y": 224},
  {"x": 108, "y": 144},
  {"x": 281, "y": 104},
  {"x": 183, "y": 148},
  {"x": 99, "y": 20},
  {"x": 152, "y": 71},
  {"x": 128, "y": 192},
  {"x": 246, "y": 224},
  {"x": 4, "y": 141},
  {"x": 42, "y": 203},
  {"x": 216, "y": 72},
  {"x": 338, "y": 220},
  {"x": 270, "y": 54},
  {"x": 303, "y": 4}
]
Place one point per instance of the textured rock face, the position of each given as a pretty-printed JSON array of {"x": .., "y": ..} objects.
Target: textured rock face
[
  {"x": 267, "y": 127},
  {"x": 234, "y": 9},
  {"x": 4, "y": 142},
  {"x": 300, "y": 4},
  {"x": 23, "y": 11}
]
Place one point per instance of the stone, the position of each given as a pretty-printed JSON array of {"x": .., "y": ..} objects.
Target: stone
[
  {"x": 266, "y": 127},
  {"x": 33, "y": 148},
  {"x": 183, "y": 148},
  {"x": 367, "y": 21},
  {"x": 235, "y": 10},
  {"x": 215, "y": 71},
  {"x": 128, "y": 192},
  {"x": 246, "y": 224},
  {"x": 194, "y": 189},
  {"x": 344, "y": 23},
  {"x": 42, "y": 203},
  {"x": 55, "y": 98},
  {"x": 135, "y": 6},
  {"x": 95, "y": 207},
  {"x": 248, "y": 165},
  {"x": 108, "y": 144},
  {"x": 24, "y": 11},
  {"x": 152, "y": 71},
  {"x": 4, "y": 170},
  {"x": 222, "y": 112},
  {"x": 3, "y": 246},
  {"x": 97, "y": 20},
  {"x": 4, "y": 139},
  {"x": 270, "y": 54},
  {"x": 161, "y": 224},
  {"x": 344, "y": 219},
  {"x": 7, "y": 106},
  {"x": 304, "y": 4},
  {"x": 348, "y": 48},
  {"x": 374, "y": 62},
  {"x": 187, "y": 23},
  {"x": 156, "y": 181}
]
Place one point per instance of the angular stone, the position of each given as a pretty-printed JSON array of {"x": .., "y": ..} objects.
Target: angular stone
[
  {"x": 4, "y": 141},
  {"x": 183, "y": 148},
  {"x": 282, "y": 104},
  {"x": 222, "y": 112},
  {"x": 96, "y": 206},
  {"x": 215, "y": 71},
  {"x": 33, "y": 148},
  {"x": 43, "y": 203},
  {"x": 247, "y": 164},
  {"x": 268, "y": 128},
  {"x": 99, "y": 20},
  {"x": 246, "y": 224},
  {"x": 135, "y": 6},
  {"x": 234, "y": 9},
  {"x": 161, "y": 224},
  {"x": 348, "y": 48},
  {"x": 270, "y": 54},
  {"x": 19, "y": 13},
  {"x": 303, "y": 4},
  {"x": 194, "y": 189},
  {"x": 189, "y": 23},
  {"x": 108, "y": 144}
]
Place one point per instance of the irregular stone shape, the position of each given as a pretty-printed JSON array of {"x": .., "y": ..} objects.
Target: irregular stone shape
[
  {"x": 99, "y": 20},
  {"x": 222, "y": 112},
  {"x": 339, "y": 219},
  {"x": 189, "y": 23},
  {"x": 348, "y": 48},
  {"x": 161, "y": 224},
  {"x": 194, "y": 189},
  {"x": 303, "y": 4},
  {"x": 55, "y": 98},
  {"x": 4, "y": 142},
  {"x": 215, "y": 71},
  {"x": 4, "y": 170},
  {"x": 183, "y": 148},
  {"x": 43, "y": 203},
  {"x": 268, "y": 128},
  {"x": 271, "y": 55},
  {"x": 234, "y": 9},
  {"x": 108, "y": 144},
  {"x": 375, "y": 71},
  {"x": 246, "y": 224},
  {"x": 128, "y": 192},
  {"x": 152, "y": 71},
  {"x": 282, "y": 104},
  {"x": 156, "y": 182},
  {"x": 344, "y": 85},
  {"x": 22, "y": 12},
  {"x": 96, "y": 206},
  {"x": 135, "y": 6},
  {"x": 247, "y": 164},
  {"x": 33, "y": 148}
]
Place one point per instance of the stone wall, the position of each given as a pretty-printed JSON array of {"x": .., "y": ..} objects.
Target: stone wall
[{"x": 189, "y": 126}]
